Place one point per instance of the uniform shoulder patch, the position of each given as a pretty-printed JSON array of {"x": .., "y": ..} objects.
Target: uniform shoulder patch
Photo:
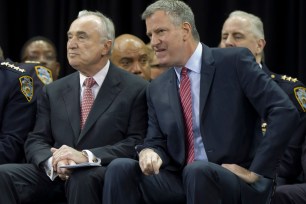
[
  {"x": 26, "y": 86},
  {"x": 44, "y": 74},
  {"x": 11, "y": 66},
  {"x": 300, "y": 95}
]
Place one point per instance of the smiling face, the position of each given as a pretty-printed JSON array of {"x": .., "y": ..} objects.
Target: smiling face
[
  {"x": 86, "y": 49},
  {"x": 167, "y": 40}
]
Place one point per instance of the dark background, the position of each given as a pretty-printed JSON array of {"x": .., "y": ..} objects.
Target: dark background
[{"x": 284, "y": 22}]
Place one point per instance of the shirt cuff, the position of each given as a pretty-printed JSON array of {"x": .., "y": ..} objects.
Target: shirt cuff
[
  {"x": 49, "y": 169},
  {"x": 91, "y": 157}
]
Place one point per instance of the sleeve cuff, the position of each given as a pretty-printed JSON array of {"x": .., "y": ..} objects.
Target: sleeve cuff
[
  {"x": 91, "y": 157},
  {"x": 49, "y": 169}
]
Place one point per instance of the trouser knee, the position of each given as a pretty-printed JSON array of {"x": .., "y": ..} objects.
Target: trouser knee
[{"x": 122, "y": 167}]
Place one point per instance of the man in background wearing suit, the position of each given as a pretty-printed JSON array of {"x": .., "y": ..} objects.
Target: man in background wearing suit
[
  {"x": 68, "y": 131},
  {"x": 201, "y": 144}
]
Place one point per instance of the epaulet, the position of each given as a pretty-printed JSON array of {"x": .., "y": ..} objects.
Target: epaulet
[
  {"x": 295, "y": 89},
  {"x": 12, "y": 66},
  {"x": 284, "y": 78},
  {"x": 44, "y": 74}
]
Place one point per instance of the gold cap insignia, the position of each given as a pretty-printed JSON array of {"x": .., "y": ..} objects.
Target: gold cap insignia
[
  {"x": 26, "y": 85},
  {"x": 44, "y": 74}
]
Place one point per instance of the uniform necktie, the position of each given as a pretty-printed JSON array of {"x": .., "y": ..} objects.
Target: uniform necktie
[
  {"x": 87, "y": 100},
  {"x": 185, "y": 95}
]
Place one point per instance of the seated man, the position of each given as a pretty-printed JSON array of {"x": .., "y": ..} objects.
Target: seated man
[
  {"x": 130, "y": 53},
  {"x": 201, "y": 145},
  {"x": 243, "y": 29},
  {"x": 17, "y": 110},
  {"x": 94, "y": 115}
]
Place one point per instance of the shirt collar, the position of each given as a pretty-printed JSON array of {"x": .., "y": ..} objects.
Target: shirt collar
[
  {"x": 98, "y": 77},
  {"x": 194, "y": 62}
]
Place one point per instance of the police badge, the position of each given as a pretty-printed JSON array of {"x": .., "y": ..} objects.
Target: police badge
[
  {"x": 26, "y": 85},
  {"x": 44, "y": 74},
  {"x": 300, "y": 95}
]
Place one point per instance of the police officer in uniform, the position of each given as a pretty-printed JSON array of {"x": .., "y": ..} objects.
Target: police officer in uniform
[
  {"x": 41, "y": 75},
  {"x": 17, "y": 110}
]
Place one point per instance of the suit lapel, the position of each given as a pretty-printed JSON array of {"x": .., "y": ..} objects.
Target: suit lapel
[
  {"x": 70, "y": 94},
  {"x": 175, "y": 104},
  {"x": 107, "y": 93},
  {"x": 207, "y": 75}
]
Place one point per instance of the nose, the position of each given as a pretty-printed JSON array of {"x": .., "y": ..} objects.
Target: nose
[
  {"x": 229, "y": 42},
  {"x": 136, "y": 68},
  {"x": 154, "y": 40},
  {"x": 43, "y": 60},
  {"x": 71, "y": 43}
]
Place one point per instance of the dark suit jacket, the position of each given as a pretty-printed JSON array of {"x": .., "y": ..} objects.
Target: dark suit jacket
[
  {"x": 234, "y": 93},
  {"x": 290, "y": 166},
  {"x": 116, "y": 123},
  {"x": 17, "y": 112}
]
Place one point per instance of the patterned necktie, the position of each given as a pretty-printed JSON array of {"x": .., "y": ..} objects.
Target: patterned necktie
[
  {"x": 87, "y": 100},
  {"x": 185, "y": 94}
]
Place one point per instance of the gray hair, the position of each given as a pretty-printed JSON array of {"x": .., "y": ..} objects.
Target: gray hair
[
  {"x": 107, "y": 29},
  {"x": 178, "y": 11},
  {"x": 256, "y": 24}
]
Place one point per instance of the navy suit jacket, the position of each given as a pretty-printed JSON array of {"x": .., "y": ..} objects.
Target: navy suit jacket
[
  {"x": 115, "y": 124},
  {"x": 234, "y": 93}
]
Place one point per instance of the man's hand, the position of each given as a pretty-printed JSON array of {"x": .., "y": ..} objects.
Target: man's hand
[
  {"x": 244, "y": 174},
  {"x": 67, "y": 153},
  {"x": 63, "y": 173},
  {"x": 149, "y": 162}
]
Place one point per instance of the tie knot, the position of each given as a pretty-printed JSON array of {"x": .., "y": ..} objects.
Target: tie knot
[
  {"x": 184, "y": 71},
  {"x": 89, "y": 82}
]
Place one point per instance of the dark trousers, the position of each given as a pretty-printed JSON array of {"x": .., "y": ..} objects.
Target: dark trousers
[
  {"x": 25, "y": 183},
  {"x": 290, "y": 194},
  {"x": 198, "y": 183}
]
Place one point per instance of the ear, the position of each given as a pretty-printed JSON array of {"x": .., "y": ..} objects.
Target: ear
[
  {"x": 107, "y": 45},
  {"x": 187, "y": 29},
  {"x": 260, "y": 45}
]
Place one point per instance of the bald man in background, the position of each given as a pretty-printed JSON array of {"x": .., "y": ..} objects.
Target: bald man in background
[{"x": 130, "y": 53}]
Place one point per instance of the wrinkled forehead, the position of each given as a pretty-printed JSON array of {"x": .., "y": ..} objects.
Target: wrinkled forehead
[{"x": 85, "y": 23}]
